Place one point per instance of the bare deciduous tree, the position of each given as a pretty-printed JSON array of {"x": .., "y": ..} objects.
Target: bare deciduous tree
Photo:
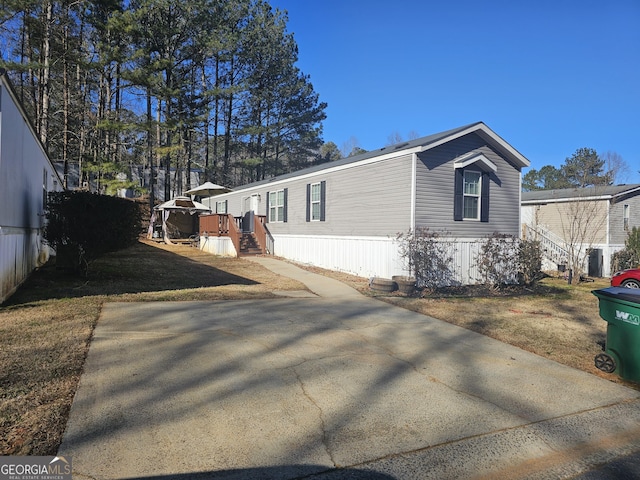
[
  {"x": 616, "y": 165},
  {"x": 582, "y": 221}
]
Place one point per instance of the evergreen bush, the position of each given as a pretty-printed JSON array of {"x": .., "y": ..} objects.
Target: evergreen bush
[
  {"x": 90, "y": 225},
  {"x": 629, "y": 257}
]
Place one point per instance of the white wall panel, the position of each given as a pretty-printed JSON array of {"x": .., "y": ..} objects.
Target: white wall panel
[
  {"x": 25, "y": 174},
  {"x": 362, "y": 256},
  {"x": 19, "y": 254},
  {"x": 369, "y": 256},
  {"x": 222, "y": 246}
]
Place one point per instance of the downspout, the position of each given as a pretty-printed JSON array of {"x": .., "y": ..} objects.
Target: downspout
[{"x": 414, "y": 170}]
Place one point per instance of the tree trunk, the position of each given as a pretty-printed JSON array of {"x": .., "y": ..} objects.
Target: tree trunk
[
  {"x": 152, "y": 172},
  {"x": 203, "y": 85},
  {"x": 227, "y": 133},
  {"x": 44, "y": 82}
]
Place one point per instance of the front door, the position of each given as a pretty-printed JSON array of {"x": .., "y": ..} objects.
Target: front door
[{"x": 250, "y": 209}]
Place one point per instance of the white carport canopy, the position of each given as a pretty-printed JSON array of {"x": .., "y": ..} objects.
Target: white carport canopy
[{"x": 177, "y": 213}]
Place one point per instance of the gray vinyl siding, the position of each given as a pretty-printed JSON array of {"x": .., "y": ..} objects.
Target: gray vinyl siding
[
  {"x": 373, "y": 199},
  {"x": 617, "y": 233},
  {"x": 435, "y": 189}
]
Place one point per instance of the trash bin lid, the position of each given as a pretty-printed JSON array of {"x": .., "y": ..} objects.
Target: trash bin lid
[{"x": 619, "y": 293}]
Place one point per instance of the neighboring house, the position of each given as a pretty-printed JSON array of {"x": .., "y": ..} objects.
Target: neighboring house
[
  {"x": 137, "y": 174},
  {"x": 596, "y": 220},
  {"x": 345, "y": 215},
  {"x": 26, "y": 176}
]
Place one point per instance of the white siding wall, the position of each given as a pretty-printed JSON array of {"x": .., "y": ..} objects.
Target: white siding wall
[
  {"x": 20, "y": 254},
  {"x": 25, "y": 174}
]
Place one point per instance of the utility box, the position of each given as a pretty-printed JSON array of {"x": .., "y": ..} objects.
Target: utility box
[
  {"x": 620, "y": 307},
  {"x": 595, "y": 262}
]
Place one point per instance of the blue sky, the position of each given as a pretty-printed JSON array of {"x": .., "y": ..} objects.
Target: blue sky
[{"x": 549, "y": 76}]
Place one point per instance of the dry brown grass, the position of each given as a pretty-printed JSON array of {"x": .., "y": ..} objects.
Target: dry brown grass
[{"x": 46, "y": 326}]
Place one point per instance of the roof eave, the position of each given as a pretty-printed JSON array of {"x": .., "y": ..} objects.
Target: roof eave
[
  {"x": 515, "y": 157},
  {"x": 567, "y": 199},
  {"x": 627, "y": 192}
]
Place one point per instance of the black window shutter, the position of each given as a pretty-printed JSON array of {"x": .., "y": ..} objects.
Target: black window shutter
[
  {"x": 323, "y": 199},
  {"x": 267, "y": 206},
  {"x": 284, "y": 215},
  {"x": 484, "y": 198},
  {"x": 458, "y": 194},
  {"x": 226, "y": 206},
  {"x": 308, "y": 202}
]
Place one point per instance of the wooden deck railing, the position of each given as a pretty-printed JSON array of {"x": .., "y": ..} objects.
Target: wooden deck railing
[
  {"x": 263, "y": 235},
  {"x": 235, "y": 233},
  {"x": 220, "y": 225},
  {"x": 214, "y": 225}
]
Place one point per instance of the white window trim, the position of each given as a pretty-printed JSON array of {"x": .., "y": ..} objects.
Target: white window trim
[
  {"x": 478, "y": 195},
  {"x": 471, "y": 158},
  {"x": 626, "y": 216},
  {"x": 273, "y": 206},
  {"x": 313, "y": 202}
]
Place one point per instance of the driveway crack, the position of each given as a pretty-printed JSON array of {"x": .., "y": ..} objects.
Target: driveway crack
[{"x": 321, "y": 417}]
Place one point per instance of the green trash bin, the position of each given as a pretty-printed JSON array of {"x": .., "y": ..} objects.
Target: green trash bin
[{"x": 620, "y": 307}]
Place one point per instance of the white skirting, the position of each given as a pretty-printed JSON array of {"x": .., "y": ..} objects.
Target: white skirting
[
  {"x": 222, "y": 246},
  {"x": 21, "y": 251},
  {"x": 369, "y": 256},
  {"x": 361, "y": 256}
]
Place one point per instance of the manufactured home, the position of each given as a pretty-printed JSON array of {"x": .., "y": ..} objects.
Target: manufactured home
[
  {"x": 593, "y": 220},
  {"x": 463, "y": 184},
  {"x": 26, "y": 176}
]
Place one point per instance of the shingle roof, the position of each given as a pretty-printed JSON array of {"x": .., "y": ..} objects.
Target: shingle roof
[
  {"x": 604, "y": 191},
  {"x": 408, "y": 145}
]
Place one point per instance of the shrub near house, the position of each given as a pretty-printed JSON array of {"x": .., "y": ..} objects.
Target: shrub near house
[{"x": 85, "y": 225}]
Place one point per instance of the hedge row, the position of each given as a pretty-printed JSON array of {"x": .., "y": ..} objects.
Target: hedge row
[{"x": 91, "y": 223}]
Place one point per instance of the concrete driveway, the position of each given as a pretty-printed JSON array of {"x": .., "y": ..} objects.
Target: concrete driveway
[{"x": 330, "y": 387}]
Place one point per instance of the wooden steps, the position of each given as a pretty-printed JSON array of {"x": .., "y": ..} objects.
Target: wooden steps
[{"x": 249, "y": 245}]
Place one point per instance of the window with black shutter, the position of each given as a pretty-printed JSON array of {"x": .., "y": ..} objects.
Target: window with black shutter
[
  {"x": 471, "y": 195},
  {"x": 277, "y": 205},
  {"x": 316, "y": 200}
]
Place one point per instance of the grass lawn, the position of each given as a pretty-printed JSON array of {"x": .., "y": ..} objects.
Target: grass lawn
[{"x": 46, "y": 326}]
